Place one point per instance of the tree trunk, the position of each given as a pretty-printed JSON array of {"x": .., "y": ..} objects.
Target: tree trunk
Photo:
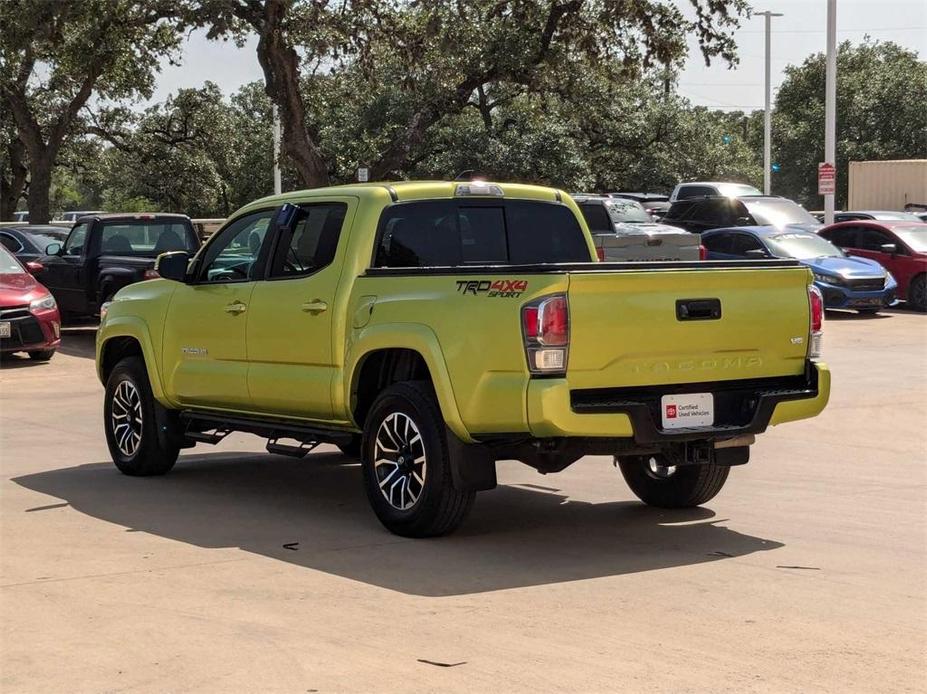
[
  {"x": 40, "y": 171},
  {"x": 13, "y": 188}
]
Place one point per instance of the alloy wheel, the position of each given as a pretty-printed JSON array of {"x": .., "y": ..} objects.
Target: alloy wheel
[
  {"x": 126, "y": 418},
  {"x": 399, "y": 461}
]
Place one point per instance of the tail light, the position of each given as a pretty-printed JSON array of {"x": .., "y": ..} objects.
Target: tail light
[
  {"x": 600, "y": 253},
  {"x": 151, "y": 274},
  {"x": 546, "y": 329},
  {"x": 702, "y": 252},
  {"x": 816, "y": 332}
]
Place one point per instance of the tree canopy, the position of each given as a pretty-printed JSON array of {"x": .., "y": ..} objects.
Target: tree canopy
[{"x": 881, "y": 114}]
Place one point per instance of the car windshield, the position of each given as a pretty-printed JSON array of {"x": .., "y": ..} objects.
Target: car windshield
[
  {"x": 779, "y": 212},
  {"x": 627, "y": 211},
  {"x": 914, "y": 236},
  {"x": 43, "y": 238},
  {"x": 8, "y": 264},
  {"x": 896, "y": 217},
  {"x": 733, "y": 190},
  {"x": 803, "y": 246}
]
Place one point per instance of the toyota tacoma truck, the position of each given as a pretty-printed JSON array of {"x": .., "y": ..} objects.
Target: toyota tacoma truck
[{"x": 434, "y": 328}]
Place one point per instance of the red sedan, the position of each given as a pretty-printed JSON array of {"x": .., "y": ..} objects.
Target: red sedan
[
  {"x": 29, "y": 319},
  {"x": 900, "y": 247}
]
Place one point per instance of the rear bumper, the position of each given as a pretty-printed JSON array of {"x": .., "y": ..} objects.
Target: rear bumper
[{"x": 742, "y": 407}]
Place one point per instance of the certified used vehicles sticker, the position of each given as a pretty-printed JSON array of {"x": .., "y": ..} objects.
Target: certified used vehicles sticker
[{"x": 511, "y": 289}]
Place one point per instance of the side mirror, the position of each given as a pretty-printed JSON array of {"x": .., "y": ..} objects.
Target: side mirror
[
  {"x": 889, "y": 248},
  {"x": 756, "y": 254},
  {"x": 34, "y": 268},
  {"x": 173, "y": 265},
  {"x": 53, "y": 249}
]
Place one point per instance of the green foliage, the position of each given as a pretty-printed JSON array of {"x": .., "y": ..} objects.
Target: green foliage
[{"x": 881, "y": 114}]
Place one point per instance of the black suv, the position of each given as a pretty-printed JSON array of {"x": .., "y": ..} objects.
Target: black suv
[{"x": 715, "y": 212}]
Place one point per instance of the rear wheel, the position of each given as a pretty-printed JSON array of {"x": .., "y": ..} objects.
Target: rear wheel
[
  {"x": 406, "y": 464},
  {"x": 130, "y": 419},
  {"x": 656, "y": 483},
  {"x": 917, "y": 293},
  {"x": 41, "y": 355}
]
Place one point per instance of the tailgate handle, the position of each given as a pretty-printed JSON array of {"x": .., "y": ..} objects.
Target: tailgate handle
[{"x": 698, "y": 309}]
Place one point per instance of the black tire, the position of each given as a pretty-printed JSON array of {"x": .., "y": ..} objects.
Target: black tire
[
  {"x": 153, "y": 453},
  {"x": 917, "y": 293},
  {"x": 41, "y": 355},
  {"x": 685, "y": 487},
  {"x": 439, "y": 508},
  {"x": 352, "y": 449}
]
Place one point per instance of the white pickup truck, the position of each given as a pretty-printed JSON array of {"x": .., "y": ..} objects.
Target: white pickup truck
[{"x": 623, "y": 231}]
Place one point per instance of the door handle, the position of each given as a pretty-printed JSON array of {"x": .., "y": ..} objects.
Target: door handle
[
  {"x": 236, "y": 307},
  {"x": 314, "y": 306}
]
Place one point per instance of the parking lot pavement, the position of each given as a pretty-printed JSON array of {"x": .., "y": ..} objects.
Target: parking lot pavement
[{"x": 243, "y": 571}]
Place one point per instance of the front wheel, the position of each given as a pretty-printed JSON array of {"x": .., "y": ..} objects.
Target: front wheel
[
  {"x": 41, "y": 354},
  {"x": 406, "y": 464},
  {"x": 917, "y": 293},
  {"x": 130, "y": 419},
  {"x": 656, "y": 483}
]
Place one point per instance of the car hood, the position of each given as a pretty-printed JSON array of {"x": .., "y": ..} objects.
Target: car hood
[
  {"x": 849, "y": 267},
  {"x": 18, "y": 289},
  {"x": 648, "y": 228}
]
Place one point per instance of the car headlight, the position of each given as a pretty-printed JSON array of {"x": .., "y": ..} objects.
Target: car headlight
[
  {"x": 828, "y": 279},
  {"x": 44, "y": 304}
]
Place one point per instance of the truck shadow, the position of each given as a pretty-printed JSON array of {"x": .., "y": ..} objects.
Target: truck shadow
[{"x": 314, "y": 514}]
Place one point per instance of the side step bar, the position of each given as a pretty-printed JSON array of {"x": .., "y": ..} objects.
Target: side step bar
[{"x": 205, "y": 427}]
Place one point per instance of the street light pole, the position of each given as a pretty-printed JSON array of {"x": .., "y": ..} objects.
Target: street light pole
[
  {"x": 830, "y": 105},
  {"x": 767, "y": 112}
]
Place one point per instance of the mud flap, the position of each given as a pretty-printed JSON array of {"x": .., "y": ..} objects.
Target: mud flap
[{"x": 472, "y": 467}]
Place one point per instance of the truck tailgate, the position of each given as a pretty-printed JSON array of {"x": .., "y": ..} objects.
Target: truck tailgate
[{"x": 667, "y": 325}]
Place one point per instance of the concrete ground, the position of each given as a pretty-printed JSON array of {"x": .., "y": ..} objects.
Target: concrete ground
[{"x": 243, "y": 571}]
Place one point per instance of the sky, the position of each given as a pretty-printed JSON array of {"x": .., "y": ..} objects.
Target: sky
[{"x": 796, "y": 35}]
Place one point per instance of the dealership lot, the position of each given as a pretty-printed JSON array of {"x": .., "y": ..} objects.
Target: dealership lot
[{"x": 251, "y": 572}]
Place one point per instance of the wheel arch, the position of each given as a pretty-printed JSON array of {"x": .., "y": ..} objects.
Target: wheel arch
[
  {"x": 383, "y": 356},
  {"x": 122, "y": 338}
]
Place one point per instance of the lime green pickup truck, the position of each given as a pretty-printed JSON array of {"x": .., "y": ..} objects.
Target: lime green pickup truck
[{"x": 434, "y": 328}]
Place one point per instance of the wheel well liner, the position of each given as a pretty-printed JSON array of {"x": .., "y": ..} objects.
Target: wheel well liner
[
  {"x": 379, "y": 370},
  {"x": 115, "y": 350}
]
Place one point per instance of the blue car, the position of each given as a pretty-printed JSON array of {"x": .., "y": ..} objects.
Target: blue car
[{"x": 846, "y": 281}]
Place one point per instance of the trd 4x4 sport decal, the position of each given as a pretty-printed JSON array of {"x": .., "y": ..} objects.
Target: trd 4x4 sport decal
[{"x": 509, "y": 289}]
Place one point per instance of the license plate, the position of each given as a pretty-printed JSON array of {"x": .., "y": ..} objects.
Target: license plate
[
  {"x": 876, "y": 301},
  {"x": 5, "y": 329},
  {"x": 688, "y": 410}
]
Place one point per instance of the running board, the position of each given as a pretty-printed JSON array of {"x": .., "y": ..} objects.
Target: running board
[{"x": 212, "y": 427}]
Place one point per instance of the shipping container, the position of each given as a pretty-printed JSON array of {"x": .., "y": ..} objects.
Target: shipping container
[{"x": 887, "y": 185}]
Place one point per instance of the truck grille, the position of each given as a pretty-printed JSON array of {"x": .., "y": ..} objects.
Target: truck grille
[{"x": 867, "y": 284}]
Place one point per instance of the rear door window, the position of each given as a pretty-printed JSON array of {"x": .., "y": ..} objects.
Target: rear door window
[
  {"x": 687, "y": 192},
  {"x": 451, "y": 233},
  {"x": 310, "y": 243},
  {"x": 844, "y": 237}
]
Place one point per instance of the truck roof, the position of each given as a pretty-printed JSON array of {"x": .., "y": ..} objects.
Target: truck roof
[
  {"x": 400, "y": 191},
  {"x": 135, "y": 215}
]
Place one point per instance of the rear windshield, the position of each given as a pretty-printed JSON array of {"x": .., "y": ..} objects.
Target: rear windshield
[
  {"x": 147, "y": 238},
  {"x": 628, "y": 211},
  {"x": 778, "y": 212},
  {"x": 454, "y": 232}
]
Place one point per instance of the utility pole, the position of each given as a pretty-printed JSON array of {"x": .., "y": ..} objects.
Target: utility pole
[
  {"x": 767, "y": 112},
  {"x": 278, "y": 185},
  {"x": 830, "y": 105}
]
